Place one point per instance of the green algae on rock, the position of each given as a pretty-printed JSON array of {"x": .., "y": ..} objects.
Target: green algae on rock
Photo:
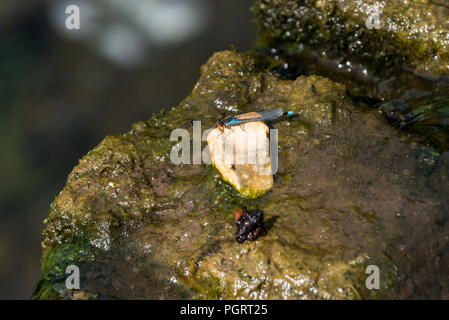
[
  {"x": 414, "y": 32},
  {"x": 348, "y": 194},
  {"x": 405, "y": 60}
]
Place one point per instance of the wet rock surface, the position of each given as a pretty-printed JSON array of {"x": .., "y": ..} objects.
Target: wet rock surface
[
  {"x": 351, "y": 191},
  {"x": 413, "y": 33},
  {"x": 400, "y": 66}
]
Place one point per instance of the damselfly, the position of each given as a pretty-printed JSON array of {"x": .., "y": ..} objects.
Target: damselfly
[{"x": 253, "y": 116}]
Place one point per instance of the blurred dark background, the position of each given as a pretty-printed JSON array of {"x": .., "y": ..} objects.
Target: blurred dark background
[{"x": 62, "y": 92}]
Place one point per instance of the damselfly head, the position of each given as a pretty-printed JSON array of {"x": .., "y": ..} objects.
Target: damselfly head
[{"x": 220, "y": 123}]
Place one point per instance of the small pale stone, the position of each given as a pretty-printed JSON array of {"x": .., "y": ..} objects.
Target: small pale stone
[{"x": 242, "y": 156}]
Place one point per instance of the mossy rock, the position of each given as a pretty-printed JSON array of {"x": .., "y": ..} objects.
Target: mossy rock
[
  {"x": 348, "y": 193},
  {"x": 403, "y": 64},
  {"x": 415, "y": 33}
]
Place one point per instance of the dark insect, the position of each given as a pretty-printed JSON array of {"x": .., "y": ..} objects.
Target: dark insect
[
  {"x": 250, "y": 226},
  {"x": 238, "y": 214}
]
